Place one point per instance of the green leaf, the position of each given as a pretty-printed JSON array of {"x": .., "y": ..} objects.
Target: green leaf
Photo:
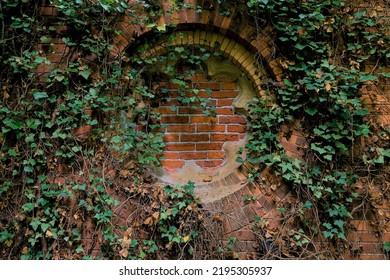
[
  {"x": 12, "y": 153},
  {"x": 44, "y": 227},
  {"x": 339, "y": 223},
  {"x": 162, "y": 27},
  {"x": 85, "y": 73},
  {"x": 367, "y": 78},
  {"x": 40, "y": 94},
  {"x": 35, "y": 224},
  {"x": 116, "y": 139},
  {"x": 311, "y": 111}
]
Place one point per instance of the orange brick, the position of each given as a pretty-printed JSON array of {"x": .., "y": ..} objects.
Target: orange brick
[
  {"x": 171, "y": 138},
  {"x": 203, "y": 119},
  {"x": 171, "y": 155},
  {"x": 224, "y": 94},
  {"x": 232, "y": 119},
  {"x": 225, "y": 102},
  {"x": 224, "y": 111},
  {"x": 180, "y": 147},
  {"x": 181, "y": 128},
  {"x": 216, "y": 155},
  {"x": 172, "y": 163},
  {"x": 194, "y": 137},
  {"x": 209, "y": 146},
  {"x": 194, "y": 155},
  {"x": 224, "y": 137},
  {"x": 211, "y": 128},
  {"x": 213, "y": 86},
  {"x": 236, "y": 128}
]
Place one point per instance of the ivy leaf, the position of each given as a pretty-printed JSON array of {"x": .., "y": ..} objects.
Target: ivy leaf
[
  {"x": 12, "y": 153},
  {"x": 85, "y": 73},
  {"x": 162, "y": 27},
  {"x": 339, "y": 223},
  {"x": 40, "y": 94},
  {"x": 367, "y": 78},
  {"x": 45, "y": 227},
  {"x": 311, "y": 111}
]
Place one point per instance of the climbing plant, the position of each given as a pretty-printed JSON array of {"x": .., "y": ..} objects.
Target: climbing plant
[
  {"x": 72, "y": 129},
  {"x": 78, "y": 131},
  {"x": 325, "y": 48}
]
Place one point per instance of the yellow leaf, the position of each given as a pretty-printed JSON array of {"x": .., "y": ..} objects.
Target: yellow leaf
[
  {"x": 328, "y": 87},
  {"x": 156, "y": 215},
  {"x": 148, "y": 221},
  {"x": 186, "y": 238},
  {"x": 9, "y": 242},
  {"x": 124, "y": 253},
  {"x": 5, "y": 95},
  {"x": 218, "y": 218},
  {"x": 49, "y": 234}
]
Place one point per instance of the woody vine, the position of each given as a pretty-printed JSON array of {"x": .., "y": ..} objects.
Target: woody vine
[{"x": 324, "y": 45}]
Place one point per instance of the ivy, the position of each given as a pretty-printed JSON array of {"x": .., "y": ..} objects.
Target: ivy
[{"x": 324, "y": 73}]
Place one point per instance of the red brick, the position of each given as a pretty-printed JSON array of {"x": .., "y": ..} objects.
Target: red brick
[
  {"x": 291, "y": 147},
  {"x": 224, "y": 111},
  {"x": 172, "y": 163},
  {"x": 194, "y": 155},
  {"x": 211, "y": 128},
  {"x": 209, "y": 164},
  {"x": 363, "y": 237},
  {"x": 174, "y": 119},
  {"x": 172, "y": 101},
  {"x": 232, "y": 119},
  {"x": 189, "y": 110},
  {"x": 208, "y": 146},
  {"x": 165, "y": 111},
  {"x": 181, "y": 147},
  {"x": 213, "y": 86},
  {"x": 216, "y": 155},
  {"x": 171, "y": 138},
  {"x": 225, "y": 102},
  {"x": 224, "y": 94},
  {"x": 229, "y": 86},
  {"x": 171, "y": 155},
  {"x": 224, "y": 137},
  {"x": 371, "y": 248},
  {"x": 223, "y": 80},
  {"x": 201, "y": 93},
  {"x": 194, "y": 137},
  {"x": 372, "y": 257},
  {"x": 236, "y": 128},
  {"x": 203, "y": 119},
  {"x": 181, "y": 128}
]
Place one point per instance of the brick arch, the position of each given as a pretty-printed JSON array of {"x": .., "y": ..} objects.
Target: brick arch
[
  {"x": 235, "y": 26},
  {"x": 229, "y": 84},
  {"x": 252, "y": 52}
]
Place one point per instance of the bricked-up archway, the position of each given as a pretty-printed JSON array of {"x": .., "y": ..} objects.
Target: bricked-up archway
[{"x": 200, "y": 147}]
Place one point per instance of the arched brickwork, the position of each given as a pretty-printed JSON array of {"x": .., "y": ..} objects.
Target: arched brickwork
[{"x": 238, "y": 216}]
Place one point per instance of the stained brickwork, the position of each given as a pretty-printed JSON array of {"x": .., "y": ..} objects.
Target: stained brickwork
[
  {"x": 191, "y": 135},
  {"x": 195, "y": 133}
]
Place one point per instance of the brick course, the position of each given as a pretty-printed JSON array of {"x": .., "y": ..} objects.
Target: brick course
[{"x": 191, "y": 135}]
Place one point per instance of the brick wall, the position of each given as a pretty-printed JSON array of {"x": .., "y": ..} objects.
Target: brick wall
[{"x": 191, "y": 135}]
